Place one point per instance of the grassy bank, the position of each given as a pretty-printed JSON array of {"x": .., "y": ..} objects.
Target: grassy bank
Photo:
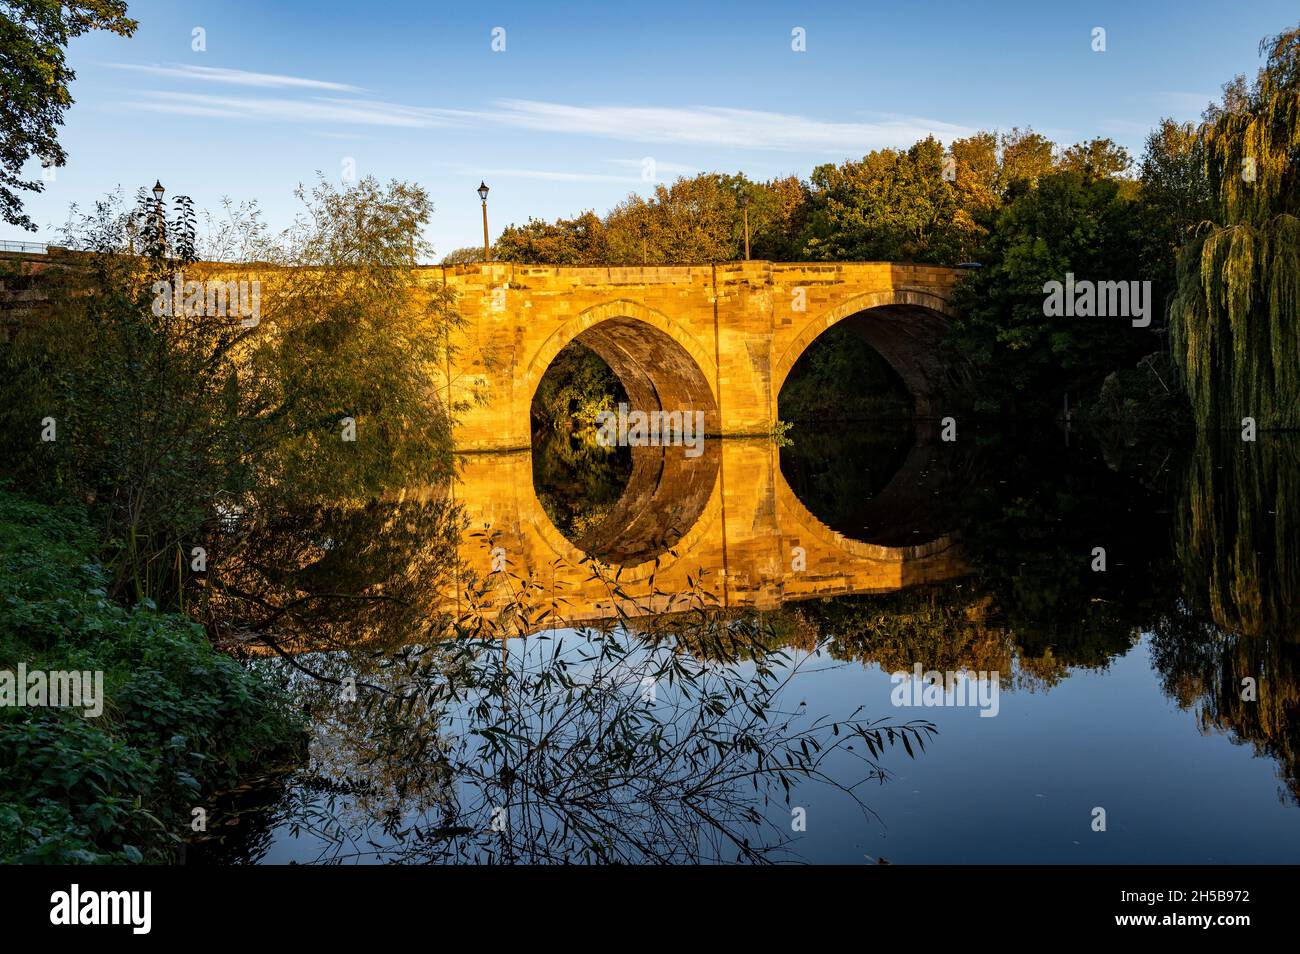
[{"x": 179, "y": 719}]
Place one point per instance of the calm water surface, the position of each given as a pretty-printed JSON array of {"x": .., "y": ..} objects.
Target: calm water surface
[{"x": 1120, "y": 689}]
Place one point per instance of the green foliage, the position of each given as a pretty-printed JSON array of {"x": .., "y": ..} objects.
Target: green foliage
[
  {"x": 463, "y": 256},
  {"x": 1175, "y": 198},
  {"x": 891, "y": 206},
  {"x": 1233, "y": 323},
  {"x": 1143, "y": 402},
  {"x": 578, "y": 386},
  {"x": 1022, "y": 361},
  {"x": 147, "y": 405},
  {"x": 179, "y": 719},
  {"x": 577, "y": 241},
  {"x": 34, "y": 85},
  {"x": 168, "y": 421},
  {"x": 1026, "y": 156},
  {"x": 919, "y": 204},
  {"x": 691, "y": 221},
  {"x": 1096, "y": 159},
  {"x": 352, "y": 333}
]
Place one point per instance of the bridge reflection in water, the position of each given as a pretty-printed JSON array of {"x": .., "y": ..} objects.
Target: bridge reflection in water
[{"x": 725, "y": 522}]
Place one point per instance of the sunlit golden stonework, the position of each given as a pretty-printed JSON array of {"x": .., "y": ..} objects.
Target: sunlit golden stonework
[{"x": 718, "y": 338}]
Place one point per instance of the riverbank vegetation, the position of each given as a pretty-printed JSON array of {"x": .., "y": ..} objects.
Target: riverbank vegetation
[
  {"x": 172, "y": 465},
  {"x": 178, "y": 720},
  {"x": 165, "y": 421},
  {"x": 1236, "y": 337}
]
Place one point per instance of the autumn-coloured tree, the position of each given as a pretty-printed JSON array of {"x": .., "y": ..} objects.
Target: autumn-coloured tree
[
  {"x": 576, "y": 241},
  {"x": 1097, "y": 159}
]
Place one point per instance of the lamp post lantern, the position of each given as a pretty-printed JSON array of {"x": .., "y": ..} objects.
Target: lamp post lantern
[
  {"x": 158, "y": 193},
  {"x": 487, "y": 248}
]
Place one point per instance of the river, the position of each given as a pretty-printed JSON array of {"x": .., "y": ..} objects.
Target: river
[{"x": 1130, "y": 608}]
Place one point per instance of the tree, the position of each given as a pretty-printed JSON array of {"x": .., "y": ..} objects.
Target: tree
[
  {"x": 1175, "y": 198},
  {"x": 976, "y": 172},
  {"x": 463, "y": 256},
  {"x": 778, "y": 210},
  {"x": 1234, "y": 332},
  {"x": 891, "y": 206},
  {"x": 1022, "y": 360},
  {"x": 34, "y": 81},
  {"x": 576, "y": 241},
  {"x": 1025, "y": 157},
  {"x": 146, "y": 396},
  {"x": 691, "y": 222},
  {"x": 173, "y": 417},
  {"x": 351, "y": 333},
  {"x": 1097, "y": 159}
]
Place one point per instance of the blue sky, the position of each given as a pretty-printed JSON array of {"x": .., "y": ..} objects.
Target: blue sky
[{"x": 583, "y": 94}]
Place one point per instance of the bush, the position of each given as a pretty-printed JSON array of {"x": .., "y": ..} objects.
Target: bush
[{"x": 179, "y": 718}]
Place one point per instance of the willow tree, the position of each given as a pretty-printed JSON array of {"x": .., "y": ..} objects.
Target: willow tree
[{"x": 1234, "y": 320}]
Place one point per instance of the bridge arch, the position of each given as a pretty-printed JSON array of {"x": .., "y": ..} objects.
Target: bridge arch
[
  {"x": 905, "y": 326},
  {"x": 661, "y": 365}
]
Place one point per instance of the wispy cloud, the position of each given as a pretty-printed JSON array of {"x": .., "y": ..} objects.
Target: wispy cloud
[
  {"x": 660, "y": 171},
  {"x": 214, "y": 74},
  {"x": 716, "y": 126},
  {"x": 358, "y": 112},
  {"x": 709, "y": 126}
]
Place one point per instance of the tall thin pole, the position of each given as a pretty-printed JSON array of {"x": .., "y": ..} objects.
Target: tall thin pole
[
  {"x": 747, "y": 232},
  {"x": 158, "y": 193},
  {"x": 487, "y": 248}
]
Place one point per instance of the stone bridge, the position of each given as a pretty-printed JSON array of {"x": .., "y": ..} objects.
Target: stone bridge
[
  {"x": 717, "y": 338},
  {"x": 714, "y": 338}
]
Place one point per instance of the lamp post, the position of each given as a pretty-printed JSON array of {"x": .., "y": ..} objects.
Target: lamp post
[
  {"x": 158, "y": 193},
  {"x": 483, "y": 194},
  {"x": 744, "y": 207}
]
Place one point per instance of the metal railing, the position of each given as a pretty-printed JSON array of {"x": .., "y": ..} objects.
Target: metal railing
[{"x": 30, "y": 248}]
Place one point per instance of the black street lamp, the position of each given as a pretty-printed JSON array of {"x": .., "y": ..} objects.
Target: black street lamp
[
  {"x": 483, "y": 194},
  {"x": 158, "y": 193}
]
